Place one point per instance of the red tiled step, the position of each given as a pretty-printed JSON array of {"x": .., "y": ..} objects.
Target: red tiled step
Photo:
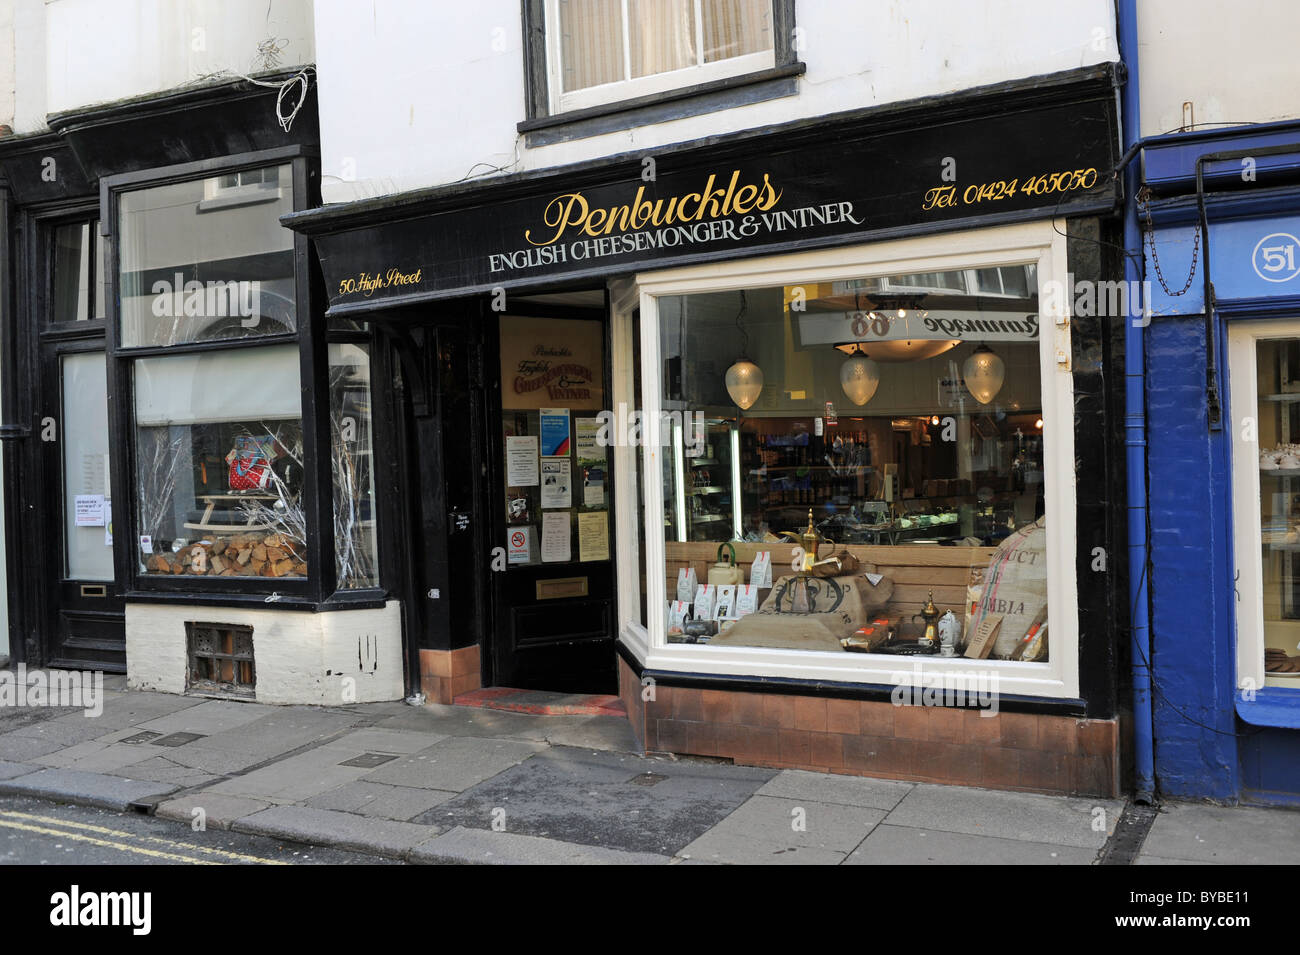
[{"x": 543, "y": 703}]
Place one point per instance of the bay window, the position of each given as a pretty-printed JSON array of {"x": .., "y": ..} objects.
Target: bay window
[{"x": 889, "y": 429}]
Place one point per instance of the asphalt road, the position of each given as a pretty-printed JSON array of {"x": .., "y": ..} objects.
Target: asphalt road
[{"x": 35, "y": 832}]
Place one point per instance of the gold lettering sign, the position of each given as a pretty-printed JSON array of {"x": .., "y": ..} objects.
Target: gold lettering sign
[
  {"x": 551, "y": 363},
  {"x": 571, "y": 211}
]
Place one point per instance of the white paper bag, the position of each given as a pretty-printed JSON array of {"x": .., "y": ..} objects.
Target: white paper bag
[
  {"x": 724, "y": 607},
  {"x": 746, "y": 599},
  {"x": 678, "y": 611},
  {"x": 686, "y": 584},
  {"x": 705, "y": 594},
  {"x": 760, "y": 572}
]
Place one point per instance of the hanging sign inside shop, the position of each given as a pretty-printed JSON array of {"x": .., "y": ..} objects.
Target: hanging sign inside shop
[
  {"x": 836, "y": 184},
  {"x": 831, "y": 328},
  {"x": 549, "y": 361}
]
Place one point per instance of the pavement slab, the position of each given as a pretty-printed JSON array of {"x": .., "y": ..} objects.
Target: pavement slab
[
  {"x": 209, "y": 717},
  {"x": 601, "y": 799},
  {"x": 402, "y": 803},
  {"x": 373, "y": 739},
  {"x": 279, "y": 731},
  {"x": 66, "y": 732},
  {"x": 19, "y": 748},
  {"x": 1241, "y": 835},
  {"x": 92, "y": 789},
  {"x": 343, "y": 830},
  {"x": 766, "y": 829},
  {"x": 9, "y": 770},
  {"x": 292, "y": 779},
  {"x": 842, "y": 790},
  {"x": 476, "y": 846},
  {"x": 218, "y": 811},
  {"x": 1031, "y": 817},
  {"x": 904, "y": 845},
  {"x": 455, "y": 764},
  {"x": 133, "y": 709}
]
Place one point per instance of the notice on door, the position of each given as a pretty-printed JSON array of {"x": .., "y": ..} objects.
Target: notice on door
[
  {"x": 520, "y": 549},
  {"x": 89, "y": 510},
  {"x": 593, "y": 536},
  {"x": 557, "y": 483},
  {"x": 554, "y": 425},
  {"x": 521, "y": 461},
  {"x": 556, "y": 531}
]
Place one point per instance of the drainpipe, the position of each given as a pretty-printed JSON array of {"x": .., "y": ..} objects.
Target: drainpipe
[{"x": 1135, "y": 421}]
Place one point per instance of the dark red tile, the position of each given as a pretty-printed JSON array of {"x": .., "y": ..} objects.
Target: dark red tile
[
  {"x": 716, "y": 706},
  {"x": 827, "y": 751},
  {"x": 980, "y": 730},
  {"x": 687, "y": 704},
  {"x": 1057, "y": 734},
  {"x": 1096, "y": 737},
  {"x": 878, "y": 755},
  {"x": 1018, "y": 730},
  {"x": 999, "y": 768},
  {"x": 795, "y": 747},
  {"x": 670, "y": 736},
  {"x": 1044, "y": 771},
  {"x": 945, "y": 762},
  {"x": 1093, "y": 776},
  {"x": 912, "y": 722},
  {"x": 748, "y": 709},
  {"x": 843, "y": 716},
  {"x": 701, "y": 739},
  {"x": 810, "y": 714},
  {"x": 877, "y": 719},
  {"x": 778, "y": 711}
]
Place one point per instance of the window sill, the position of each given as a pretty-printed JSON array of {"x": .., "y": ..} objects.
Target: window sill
[
  {"x": 1276, "y": 707},
  {"x": 661, "y": 107},
  {"x": 343, "y": 600}
]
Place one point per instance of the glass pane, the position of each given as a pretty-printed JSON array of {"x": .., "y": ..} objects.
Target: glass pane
[
  {"x": 1278, "y": 370},
  {"x": 904, "y": 425},
  {"x": 71, "y": 277},
  {"x": 101, "y": 281},
  {"x": 736, "y": 27},
  {"x": 661, "y": 36},
  {"x": 219, "y": 459},
  {"x": 591, "y": 43},
  {"x": 206, "y": 260},
  {"x": 355, "y": 550},
  {"x": 87, "y": 510}
]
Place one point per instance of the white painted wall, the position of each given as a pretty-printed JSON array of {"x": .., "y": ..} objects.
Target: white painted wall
[
  {"x": 1235, "y": 64},
  {"x": 297, "y": 657},
  {"x": 105, "y": 50},
  {"x": 414, "y": 94}
]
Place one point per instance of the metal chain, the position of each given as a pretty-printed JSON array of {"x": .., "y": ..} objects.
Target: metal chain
[{"x": 1149, "y": 239}]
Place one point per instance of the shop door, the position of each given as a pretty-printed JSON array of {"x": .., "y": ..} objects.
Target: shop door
[
  {"x": 554, "y": 589},
  {"x": 85, "y": 622}
]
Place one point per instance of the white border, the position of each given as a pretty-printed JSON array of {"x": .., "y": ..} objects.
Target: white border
[
  {"x": 1247, "y": 537},
  {"x": 1037, "y": 243}
]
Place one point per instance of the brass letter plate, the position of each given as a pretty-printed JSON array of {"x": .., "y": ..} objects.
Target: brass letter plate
[
  {"x": 94, "y": 590},
  {"x": 562, "y": 587}
]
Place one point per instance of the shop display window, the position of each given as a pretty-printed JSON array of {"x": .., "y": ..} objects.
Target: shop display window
[
  {"x": 352, "y": 466},
  {"x": 881, "y": 441},
  {"x": 219, "y": 464}
]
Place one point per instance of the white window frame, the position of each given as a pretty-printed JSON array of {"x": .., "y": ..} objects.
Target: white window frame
[
  {"x": 634, "y": 87},
  {"x": 1243, "y": 400},
  {"x": 217, "y": 196},
  {"x": 1040, "y": 243}
]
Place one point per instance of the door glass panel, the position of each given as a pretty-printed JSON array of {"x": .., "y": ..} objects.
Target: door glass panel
[
  {"x": 1279, "y": 500},
  {"x": 87, "y": 508},
  {"x": 71, "y": 272}
]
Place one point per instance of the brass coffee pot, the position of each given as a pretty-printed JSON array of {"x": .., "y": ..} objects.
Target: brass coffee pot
[{"x": 930, "y": 614}]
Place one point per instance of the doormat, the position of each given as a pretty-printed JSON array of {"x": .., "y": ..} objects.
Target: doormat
[{"x": 542, "y": 702}]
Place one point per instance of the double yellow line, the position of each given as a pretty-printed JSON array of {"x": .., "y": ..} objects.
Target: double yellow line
[{"x": 126, "y": 841}]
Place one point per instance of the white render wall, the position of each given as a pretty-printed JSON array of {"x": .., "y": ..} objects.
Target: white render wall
[
  {"x": 417, "y": 94},
  {"x": 70, "y": 54},
  {"x": 1235, "y": 64},
  {"x": 298, "y": 657}
]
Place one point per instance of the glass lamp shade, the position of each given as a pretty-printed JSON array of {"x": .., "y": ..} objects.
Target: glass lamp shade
[
  {"x": 859, "y": 377},
  {"x": 744, "y": 383},
  {"x": 984, "y": 372}
]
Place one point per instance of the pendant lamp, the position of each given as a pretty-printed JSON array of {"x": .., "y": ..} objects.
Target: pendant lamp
[
  {"x": 984, "y": 372},
  {"x": 859, "y": 377},
  {"x": 744, "y": 379}
]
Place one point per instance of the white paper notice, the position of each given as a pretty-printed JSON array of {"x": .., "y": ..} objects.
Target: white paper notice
[
  {"x": 90, "y": 510},
  {"x": 556, "y": 528},
  {"x": 108, "y": 523},
  {"x": 521, "y": 461},
  {"x": 557, "y": 482},
  {"x": 520, "y": 550}
]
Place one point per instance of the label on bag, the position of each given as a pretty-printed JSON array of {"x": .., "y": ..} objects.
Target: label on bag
[
  {"x": 686, "y": 584},
  {"x": 724, "y": 607},
  {"x": 746, "y": 600},
  {"x": 760, "y": 571},
  {"x": 705, "y": 594}
]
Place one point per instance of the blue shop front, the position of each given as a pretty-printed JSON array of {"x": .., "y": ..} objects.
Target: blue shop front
[{"x": 1220, "y": 214}]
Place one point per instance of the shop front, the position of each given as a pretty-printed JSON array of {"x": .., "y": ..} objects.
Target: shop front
[
  {"x": 1223, "y": 357},
  {"x": 790, "y": 439}
]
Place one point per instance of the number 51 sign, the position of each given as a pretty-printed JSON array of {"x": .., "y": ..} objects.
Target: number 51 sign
[{"x": 1277, "y": 257}]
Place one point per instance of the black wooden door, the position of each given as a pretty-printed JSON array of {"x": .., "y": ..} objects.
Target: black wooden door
[
  {"x": 554, "y": 615},
  {"x": 84, "y": 619}
]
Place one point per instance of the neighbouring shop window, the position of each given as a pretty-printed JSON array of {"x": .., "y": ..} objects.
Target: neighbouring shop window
[
  {"x": 87, "y": 498},
  {"x": 891, "y": 428},
  {"x": 607, "y": 50},
  {"x": 207, "y": 259},
  {"x": 78, "y": 273},
  {"x": 219, "y": 459},
  {"x": 352, "y": 466},
  {"x": 1277, "y": 364}
]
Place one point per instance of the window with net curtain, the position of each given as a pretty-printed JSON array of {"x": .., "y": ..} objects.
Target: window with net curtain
[{"x": 618, "y": 49}]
